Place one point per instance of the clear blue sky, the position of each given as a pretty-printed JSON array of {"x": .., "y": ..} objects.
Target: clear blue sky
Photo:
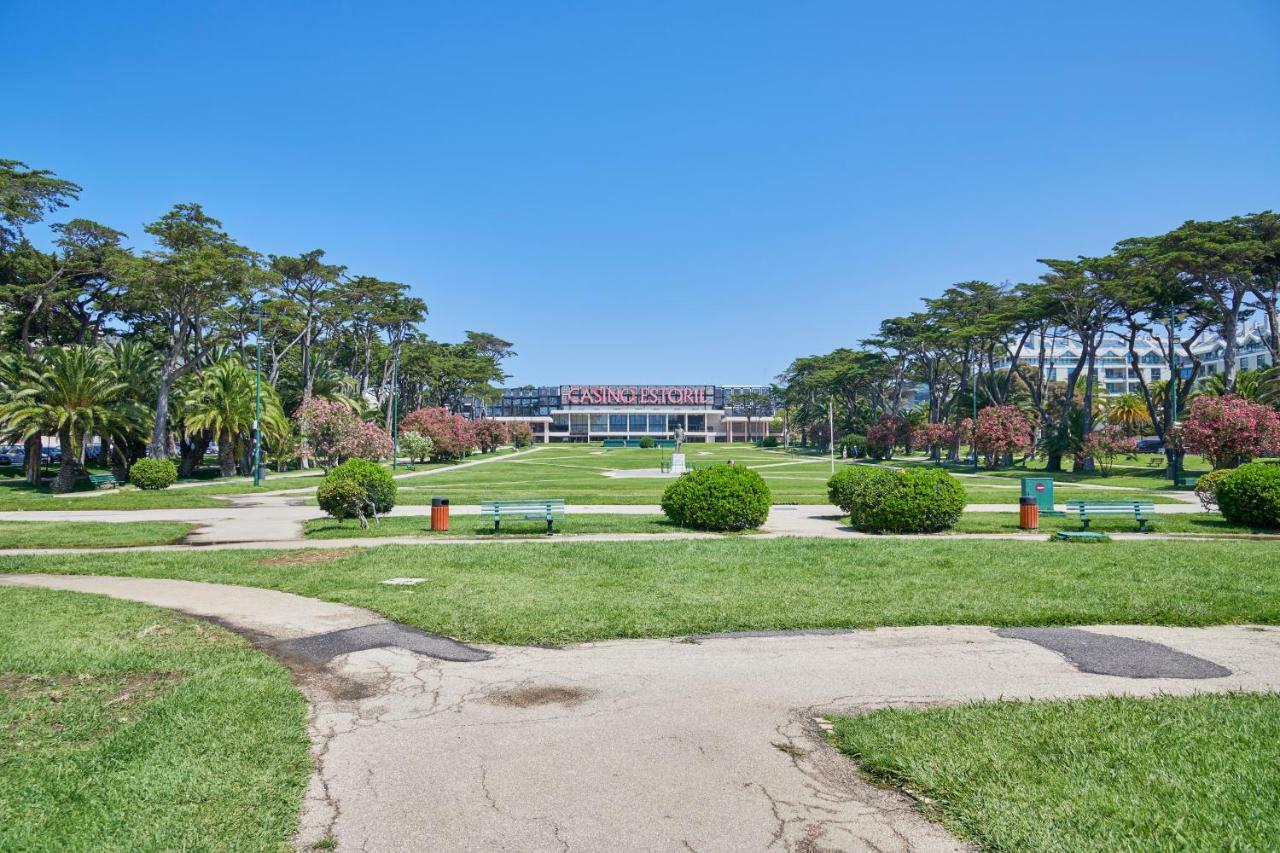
[{"x": 662, "y": 191}]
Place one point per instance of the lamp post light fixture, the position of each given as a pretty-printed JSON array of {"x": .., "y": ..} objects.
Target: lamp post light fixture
[
  {"x": 257, "y": 402},
  {"x": 395, "y": 408}
]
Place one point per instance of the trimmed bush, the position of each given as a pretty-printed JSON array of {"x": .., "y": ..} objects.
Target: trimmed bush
[
  {"x": 915, "y": 500},
  {"x": 769, "y": 441},
  {"x": 648, "y": 443},
  {"x": 847, "y": 483},
  {"x": 521, "y": 434},
  {"x": 344, "y": 498},
  {"x": 379, "y": 488},
  {"x": 1207, "y": 488},
  {"x": 1251, "y": 495},
  {"x": 720, "y": 497},
  {"x": 151, "y": 474}
]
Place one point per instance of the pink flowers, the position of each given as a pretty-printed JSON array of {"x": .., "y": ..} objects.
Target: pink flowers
[
  {"x": 932, "y": 437},
  {"x": 333, "y": 433},
  {"x": 452, "y": 436},
  {"x": 1105, "y": 444},
  {"x": 1230, "y": 430},
  {"x": 882, "y": 436},
  {"x": 490, "y": 435},
  {"x": 1001, "y": 430}
]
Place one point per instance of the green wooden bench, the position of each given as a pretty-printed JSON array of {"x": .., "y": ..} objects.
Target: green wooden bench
[
  {"x": 100, "y": 480},
  {"x": 528, "y": 509},
  {"x": 1139, "y": 509}
]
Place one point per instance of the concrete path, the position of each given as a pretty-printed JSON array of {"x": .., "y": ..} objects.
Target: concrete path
[{"x": 704, "y": 744}]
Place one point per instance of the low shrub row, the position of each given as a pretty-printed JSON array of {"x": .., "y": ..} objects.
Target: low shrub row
[{"x": 891, "y": 500}]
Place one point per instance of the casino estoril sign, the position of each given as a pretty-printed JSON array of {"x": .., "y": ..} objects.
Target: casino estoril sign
[{"x": 634, "y": 395}]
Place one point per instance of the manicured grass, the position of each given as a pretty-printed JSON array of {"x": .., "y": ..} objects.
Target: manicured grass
[
  {"x": 90, "y": 534},
  {"x": 17, "y": 495},
  {"x": 561, "y": 592},
  {"x": 577, "y": 473},
  {"x": 1202, "y": 523},
  {"x": 981, "y": 494},
  {"x": 473, "y": 525},
  {"x": 1169, "y": 773},
  {"x": 127, "y": 727}
]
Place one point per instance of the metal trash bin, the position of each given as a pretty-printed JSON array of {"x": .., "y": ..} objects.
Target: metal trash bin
[
  {"x": 439, "y": 513},
  {"x": 1028, "y": 514},
  {"x": 1040, "y": 488}
]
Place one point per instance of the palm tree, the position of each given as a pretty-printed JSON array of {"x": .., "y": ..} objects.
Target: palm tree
[
  {"x": 73, "y": 395},
  {"x": 1128, "y": 411},
  {"x": 223, "y": 405},
  {"x": 135, "y": 366},
  {"x": 15, "y": 390},
  {"x": 1248, "y": 385},
  {"x": 1269, "y": 386}
]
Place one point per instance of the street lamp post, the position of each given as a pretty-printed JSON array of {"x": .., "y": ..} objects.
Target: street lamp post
[
  {"x": 395, "y": 406},
  {"x": 973, "y": 428},
  {"x": 257, "y": 404},
  {"x": 1173, "y": 397}
]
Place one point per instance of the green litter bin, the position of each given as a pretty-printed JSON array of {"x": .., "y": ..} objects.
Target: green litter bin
[{"x": 1040, "y": 488}]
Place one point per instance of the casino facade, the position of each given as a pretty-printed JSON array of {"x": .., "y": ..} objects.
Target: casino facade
[{"x": 561, "y": 413}]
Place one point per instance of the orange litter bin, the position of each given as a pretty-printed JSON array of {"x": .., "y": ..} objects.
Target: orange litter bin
[
  {"x": 439, "y": 513},
  {"x": 1028, "y": 514}
]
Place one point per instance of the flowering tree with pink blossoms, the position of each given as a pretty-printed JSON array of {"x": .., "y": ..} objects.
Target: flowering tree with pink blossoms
[
  {"x": 881, "y": 436},
  {"x": 452, "y": 436},
  {"x": 1000, "y": 432},
  {"x": 1230, "y": 430},
  {"x": 490, "y": 434},
  {"x": 1104, "y": 444},
  {"x": 331, "y": 433},
  {"x": 933, "y": 437}
]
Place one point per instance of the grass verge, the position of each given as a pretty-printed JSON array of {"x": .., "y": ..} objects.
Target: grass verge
[
  {"x": 1207, "y": 524},
  {"x": 561, "y": 592},
  {"x": 471, "y": 525},
  {"x": 90, "y": 534},
  {"x": 127, "y": 727},
  {"x": 1169, "y": 773}
]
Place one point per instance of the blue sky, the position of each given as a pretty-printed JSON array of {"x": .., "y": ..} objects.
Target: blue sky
[{"x": 662, "y": 191}]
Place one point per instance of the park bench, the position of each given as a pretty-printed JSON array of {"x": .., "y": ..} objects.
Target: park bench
[
  {"x": 100, "y": 480},
  {"x": 529, "y": 509},
  {"x": 1139, "y": 509}
]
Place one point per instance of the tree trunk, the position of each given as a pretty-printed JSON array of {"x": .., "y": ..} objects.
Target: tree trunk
[
  {"x": 159, "y": 446},
  {"x": 31, "y": 460},
  {"x": 70, "y": 470},
  {"x": 192, "y": 455},
  {"x": 226, "y": 455}
]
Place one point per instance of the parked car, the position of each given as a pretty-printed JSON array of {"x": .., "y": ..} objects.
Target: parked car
[
  {"x": 51, "y": 454},
  {"x": 1150, "y": 445},
  {"x": 11, "y": 455}
]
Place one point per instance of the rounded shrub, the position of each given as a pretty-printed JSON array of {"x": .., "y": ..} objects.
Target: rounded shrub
[
  {"x": 1251, "y": 495},
  {"x": 344, "y": 498},
  {"x": 847, "y": 483},
  {"x": 153, "y": 474},
  {"x": 719, "y": 497},
  {"x": 769, "y": 441},
  {"x": 648, "y": 443},
  {"x": 1207, "y": 488},
  {"x": 915, "y": 500},
  {"x": 379, "y": 487}
]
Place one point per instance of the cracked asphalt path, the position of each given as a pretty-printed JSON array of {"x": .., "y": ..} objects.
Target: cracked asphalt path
[{"x": 708, "y": 744}]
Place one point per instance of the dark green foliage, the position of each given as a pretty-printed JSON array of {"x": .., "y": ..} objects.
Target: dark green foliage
[
  {"x": 915, "y": 500},
  {"x": 769, "y": 441},
  {"x": 721, "y": 497},
  {"x": 376, "y": 496},
  {"x": 847, "y": 484},
  {"x": 1251, "y": 495},
  {"x": 647, "y": 442},
  {"x": 344, "y": 498},
  {"x": 153, "y": 474}
]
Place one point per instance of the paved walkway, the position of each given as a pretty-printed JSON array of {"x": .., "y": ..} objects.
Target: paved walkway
[{"x": 704, "y": 744}]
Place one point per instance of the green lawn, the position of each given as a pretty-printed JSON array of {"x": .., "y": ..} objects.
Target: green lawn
[
  {"x": 17, "y": 495},
  {"x": 577, "y": 473},
  {"x": 473, "y": 525},
  {"x": 90, "y": 534},
  {"x": 1169, "y": 773},
  {"x": 561, "y": 592},
  {"x": 1203, "y": 523},
  {"x": 127, "y": 727}
]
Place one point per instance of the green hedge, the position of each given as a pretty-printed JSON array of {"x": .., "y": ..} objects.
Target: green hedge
[
  {"x": 1251, "y": 495},
  {"x": 719, "y": 497},
  {"x": 355, "y": 489},
  {"x": 152, "y": 474},
  {"x": 884, "y": 500}
]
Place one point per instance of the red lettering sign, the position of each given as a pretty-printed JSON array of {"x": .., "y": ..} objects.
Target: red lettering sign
[{"x": 634, "y": 395}]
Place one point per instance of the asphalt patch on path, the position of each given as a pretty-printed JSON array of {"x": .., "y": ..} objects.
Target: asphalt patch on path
[
  {"x": 1106, "y": 654},
  {"x": 323, "y": 647}
]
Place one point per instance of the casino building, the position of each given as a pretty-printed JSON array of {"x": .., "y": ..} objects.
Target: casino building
[{"x": 560, "y": 413}]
